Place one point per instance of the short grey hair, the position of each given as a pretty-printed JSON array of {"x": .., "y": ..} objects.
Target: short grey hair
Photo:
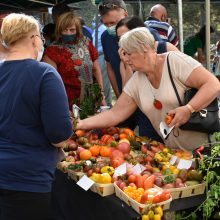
[{"x": 136, "y": 39}]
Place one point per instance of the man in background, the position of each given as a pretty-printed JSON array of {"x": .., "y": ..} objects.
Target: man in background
[
  {"x": 158, "y": 21},
  {"x": 106, "y": 83}
]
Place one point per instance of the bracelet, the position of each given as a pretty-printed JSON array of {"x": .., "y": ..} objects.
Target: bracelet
[{"x": 191, "y": 109}]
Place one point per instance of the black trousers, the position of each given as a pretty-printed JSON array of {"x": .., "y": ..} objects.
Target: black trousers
[{"x": 17, "y": 205}]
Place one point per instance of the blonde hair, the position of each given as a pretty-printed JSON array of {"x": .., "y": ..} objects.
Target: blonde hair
[
  {"x": 136, "y": 39},
  {"x": 17, "y": 26},
  {"x": 66, "y": 20}
]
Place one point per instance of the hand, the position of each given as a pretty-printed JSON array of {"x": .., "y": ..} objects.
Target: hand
[{"x": 181, "y": 116}]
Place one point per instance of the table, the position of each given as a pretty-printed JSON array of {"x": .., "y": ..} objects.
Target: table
[{"x": 70, "y": 202}]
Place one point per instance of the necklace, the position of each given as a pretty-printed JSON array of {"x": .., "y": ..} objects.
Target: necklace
[{"x": 156, "y": 103}]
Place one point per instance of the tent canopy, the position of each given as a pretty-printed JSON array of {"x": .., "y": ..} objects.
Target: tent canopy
[{"x": 20, "y": 5}]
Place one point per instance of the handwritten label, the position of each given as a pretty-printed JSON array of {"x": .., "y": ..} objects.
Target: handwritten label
[
  {"x": 85, "y": 182},
  {"x": 173, "y": 160},
  {"x": 184, "y": 164},
  {"x": 137, "y": 169},
  {"x": 121, "y": 170}
]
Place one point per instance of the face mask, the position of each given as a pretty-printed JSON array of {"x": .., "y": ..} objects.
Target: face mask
[
  {"x": 111, "y": 30},
  {"x": 40, "y": 54},
  {"x": 68, "y": 38}
]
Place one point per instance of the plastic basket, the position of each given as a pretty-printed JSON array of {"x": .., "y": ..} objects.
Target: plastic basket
[
  {"x": 138, "y": 207},
  {"x": 103, "y": 189}
]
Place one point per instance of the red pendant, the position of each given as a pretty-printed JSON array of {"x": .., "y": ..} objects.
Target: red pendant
[{"x": 157, "y": 104}]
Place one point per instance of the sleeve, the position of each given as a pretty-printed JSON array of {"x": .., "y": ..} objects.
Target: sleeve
[
  {"x": 92, "y": 50},
  {"x": 172, "y": 37},
  {"x": 54, "y": 108},
  {"x": 53, "y": 53},
  {"x": 182, "y": 65},
  {"x": 155, "y": 34},
  {"x": 130, "y": 88},
  {"x": 105, "y": 50},
  {"x": 198, "y": 43}
]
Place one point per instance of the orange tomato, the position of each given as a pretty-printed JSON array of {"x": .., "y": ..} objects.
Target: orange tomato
[
  {"x": 129, "y": 132},
  {"x": 85, "y": 155},
  {"x": 107, "y": 139},
  {"x": 80, "y": 133},
  {"x": 105, "y": 151},
  {"x": 168, "y": 119},
  {"x": 139, "y": 181},
  {"x": 123, "y": 136},
  {"x": 149, "y": 182},
  {"x": 115, "y": 162},
  {"x": 131, "y": 178},
  {"x": 95, "y": 150}
]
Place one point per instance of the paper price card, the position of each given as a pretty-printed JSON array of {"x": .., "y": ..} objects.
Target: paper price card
[
  {"x": 173, "y": 160},
  {"x": 85, "y": 182},
  {"x": 121, "y": 170},
  {"x": 138, "y": 168},
  {"x": 184, "y": 164}
]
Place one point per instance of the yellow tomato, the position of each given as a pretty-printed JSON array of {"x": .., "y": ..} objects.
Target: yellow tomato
[
  {"x": 157, "y": 217},
  {"x": 151, "y": 215},
  {"x": 95, "y": 177},
  {"x": 145, "y": 217},
  {"x": 124, "y": 140},
  {"x": 105, "y": 178},
  {"x": 108, "y": 169},
  {"x": 158, "y": 210}
]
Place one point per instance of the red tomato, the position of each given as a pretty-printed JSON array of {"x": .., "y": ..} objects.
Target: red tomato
[
  {"x": 139, "y": 181},
  {"x": 115, "y": 162},
  {"x": 144, "y": 198},
  {"x": 149, "y": 182},
  {"x": 131, "y": 178},
  {"x": 107, "y": 139},
  {"x": 122, "y": 186},
  {"x": 116, "y": 154},
  {"x": 165, "y": 195}
]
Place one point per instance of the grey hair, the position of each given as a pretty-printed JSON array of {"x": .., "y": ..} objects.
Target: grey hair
[{"x": 136, "y": 40}]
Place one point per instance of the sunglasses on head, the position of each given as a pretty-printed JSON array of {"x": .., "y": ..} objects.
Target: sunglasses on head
[{"x": 108, "y": 6}]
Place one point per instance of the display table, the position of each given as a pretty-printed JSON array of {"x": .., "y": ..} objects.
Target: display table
[{"x": 70, "y": 202}]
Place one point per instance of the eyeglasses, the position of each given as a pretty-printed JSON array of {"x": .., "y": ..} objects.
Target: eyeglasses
[
  {"x": 40, "y": 36},
  {"x": 108, "y": 6}
]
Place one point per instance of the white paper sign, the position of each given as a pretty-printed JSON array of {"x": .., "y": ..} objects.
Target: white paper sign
[
  {"x": 137, "y": 169},
  {"x": 121, "y": 170},
  {"x": 85, "y": 182},
  {"x": 173, "y": 160},
  {"x": 165, "y": 130},
  {"x": 184, "y": 164}
]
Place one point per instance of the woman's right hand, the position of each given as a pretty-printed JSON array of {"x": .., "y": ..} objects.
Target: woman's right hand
[{"x": 181, "y": 115}]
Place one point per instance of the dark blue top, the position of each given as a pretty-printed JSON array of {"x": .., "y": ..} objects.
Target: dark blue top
[{"x": 34, "y": 113}]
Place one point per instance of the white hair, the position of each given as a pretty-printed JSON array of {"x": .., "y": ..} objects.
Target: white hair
[{"x": 136, "y": 40}]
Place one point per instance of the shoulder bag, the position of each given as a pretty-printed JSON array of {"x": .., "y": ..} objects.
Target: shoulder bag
[{"x": 205, "y": 120}]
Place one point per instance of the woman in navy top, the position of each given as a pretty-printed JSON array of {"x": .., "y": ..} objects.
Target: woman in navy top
[{"x": 34, "y": 122}]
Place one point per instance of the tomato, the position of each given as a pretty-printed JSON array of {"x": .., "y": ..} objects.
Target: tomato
[
  {"x": 165, "y": 195},
  {"x": 112, "y": 130},
  {"x": 122, "y": 185},
  {"x": 124, "y": 147},
  {"x": 115, "y": 162},
  {"x": 116, "y": 154},
  {"x": 139, "y": 181},
  {"x": 131, "y": 178},
  {"x": 105, "y": 151},
  {"x": 149, "y": 182},
  {"x": 105, "y": 178},
  {"x": 168, "y": 119},
  {"x": 107, "y": 139},
  {"x": 118, "y": 182},
  {"x": 95, "y": 150}
]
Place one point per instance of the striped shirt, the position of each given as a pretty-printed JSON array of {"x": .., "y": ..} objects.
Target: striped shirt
[{"x": 164, "y": 29}]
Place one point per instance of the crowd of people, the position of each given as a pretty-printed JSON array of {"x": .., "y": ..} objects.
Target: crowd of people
[{"x": 44, "y": 74}]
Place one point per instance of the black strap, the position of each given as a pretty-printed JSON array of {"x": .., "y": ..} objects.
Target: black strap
[{"x": 172, "y": 81}]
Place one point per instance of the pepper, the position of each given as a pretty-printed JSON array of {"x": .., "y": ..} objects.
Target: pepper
[
  {"x": 95, "y": 177},
  {"x": 105, "y": 178},
  {"x": 145, "y": 217},
  {"x": 158, "y": 210}
]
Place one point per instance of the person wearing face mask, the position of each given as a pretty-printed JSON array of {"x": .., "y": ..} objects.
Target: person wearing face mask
[
  {"x": 157, "y": 20},
  {"x": 74, "y": 56},
  {"x": 34, "y": 125}
]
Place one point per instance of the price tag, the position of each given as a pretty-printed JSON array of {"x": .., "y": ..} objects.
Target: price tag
[
  {"x": 122, "y": 169},
  {"x": 85, "y": 182},
  {"x": 137, "y": 169},
  {"x": 173, "y": 160},
  {"x": 184, "y": 164}
]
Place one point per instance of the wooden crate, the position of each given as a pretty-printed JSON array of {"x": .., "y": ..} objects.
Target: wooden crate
[
  {"x": 76, "y": 176},
  {"x": 187, "y": 191},
  {"x": 62, "y": 166},
  {"x": 103, "y": 189},
  {"x": 138, "y": 207}
]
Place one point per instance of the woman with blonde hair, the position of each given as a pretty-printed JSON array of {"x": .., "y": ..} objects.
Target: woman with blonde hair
[
  {"x": 74, "y": 56},
  {"x": 151, "y": 90},
  {"x": 34, "y": 122}
]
